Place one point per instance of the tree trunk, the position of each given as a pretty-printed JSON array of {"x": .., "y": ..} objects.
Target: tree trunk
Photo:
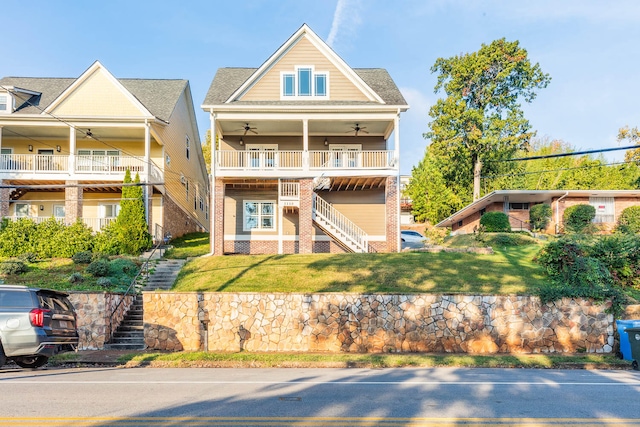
[{"x": 477, "y": 172}]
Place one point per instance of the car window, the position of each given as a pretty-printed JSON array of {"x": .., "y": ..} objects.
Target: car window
[
  {"x": 15, "y": 299},
  {"x": 54, "y": 302}
]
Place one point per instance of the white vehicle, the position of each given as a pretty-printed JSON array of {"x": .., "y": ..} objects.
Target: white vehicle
[{"x": 411, "y": 236}]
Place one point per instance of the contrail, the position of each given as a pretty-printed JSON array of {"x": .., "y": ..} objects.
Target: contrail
[{"x": 346, "y": 13}]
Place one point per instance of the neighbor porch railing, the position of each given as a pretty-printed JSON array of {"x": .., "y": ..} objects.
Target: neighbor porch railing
[
  {"x": 33, "y": 163},
  {"x": 271, "y": 160}
]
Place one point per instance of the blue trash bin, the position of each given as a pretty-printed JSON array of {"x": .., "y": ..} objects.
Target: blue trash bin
[{"x": 625, "y": 347}]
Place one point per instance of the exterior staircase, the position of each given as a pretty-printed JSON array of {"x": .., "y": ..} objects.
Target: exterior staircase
[
  {"x": 339, "y": 227},
  {"x": 130, "y": 333}
]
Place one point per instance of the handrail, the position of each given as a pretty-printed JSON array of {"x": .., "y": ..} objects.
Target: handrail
[
  {"x": 144, "y": 268},
  {"x": 332, "y": 216},
  {"x": 520, "y": 221}
]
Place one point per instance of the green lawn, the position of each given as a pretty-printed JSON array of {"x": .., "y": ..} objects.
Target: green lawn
[
  {"x": 189, "y": 245},
  {"x": 508, "y": 271}
]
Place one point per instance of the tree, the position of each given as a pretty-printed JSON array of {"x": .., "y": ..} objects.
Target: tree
[
  {"x": 206, "y": 151},
  {"x": 131, "y": 229},
  {"x": 480, "y": 120}
]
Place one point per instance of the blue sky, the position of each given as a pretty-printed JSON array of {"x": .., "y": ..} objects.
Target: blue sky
[{"x": 590, "y": 48}]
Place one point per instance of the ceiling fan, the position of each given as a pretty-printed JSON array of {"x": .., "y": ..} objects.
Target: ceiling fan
[
  {"x": 246, "y": 128},
  {"x": 357, "y": 128}
]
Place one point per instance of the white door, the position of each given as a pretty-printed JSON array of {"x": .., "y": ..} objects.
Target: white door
[
  {"x": 262, "y": 156},
  {"x": 345, "y": 155}
]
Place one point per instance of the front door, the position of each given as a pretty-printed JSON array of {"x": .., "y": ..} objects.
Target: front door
[
  {"x": 44, "y": 160},
  {"x": 345, "y": 155}
]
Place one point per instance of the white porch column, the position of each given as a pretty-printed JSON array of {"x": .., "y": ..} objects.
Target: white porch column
[
  {"x": 305, "y": 144},
  {"x": 72, "y": 150},
  {"x": 147, "y": 163},
  {"x": 212, "y": 193},
  {"x": 396, "y": 155},
  {"x": 280, "y": 219},
  {"x": 0, "y": 137}
]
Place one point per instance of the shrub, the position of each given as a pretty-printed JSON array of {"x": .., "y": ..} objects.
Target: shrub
[
  {"x": 629, "y": 221},
  {"x": 577, "y": 218},
  {"x": 18, "y": 237},
  {"x": 28, "y": 257},
  {"x": 76, "y": 278},
  {"x": 104, "y": 282},
  {"x": 493, "y": 222},
  {"x": 77, "y": 237},
  {"x": 436, "y": 235},
  {"x": 46, "y": 238},
  {"x": 83, "y": 257},
  {"x": 12, "y": 267},
  {"x": 98, "y": 268},
  {"x": 539, "y": 216},
  {"x": 621, "y": 255},
  {"x": 508, "y": 239},
  {"x": 106, "y": 241}
]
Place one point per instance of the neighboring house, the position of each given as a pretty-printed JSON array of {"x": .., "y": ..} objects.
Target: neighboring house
[
  {"x": 66, "y": 144},
  {"x": 307, "y": 154},
  {"x": 516, "y": 204},
  {"x": 406, "y": 204}
]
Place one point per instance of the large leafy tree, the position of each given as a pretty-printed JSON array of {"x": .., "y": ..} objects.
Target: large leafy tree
[{"x": 480, "y": 120}]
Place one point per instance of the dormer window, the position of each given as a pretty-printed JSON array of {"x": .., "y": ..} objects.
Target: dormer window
[
  {"x": 4, "y": 103},
  {"x": 305, "y": 82}
]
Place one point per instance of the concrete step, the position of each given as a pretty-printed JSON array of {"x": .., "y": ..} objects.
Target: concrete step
[{"x": 116, "y": 346}]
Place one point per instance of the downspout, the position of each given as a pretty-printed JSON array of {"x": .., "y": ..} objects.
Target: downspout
[{"x": 558, "y": 211}]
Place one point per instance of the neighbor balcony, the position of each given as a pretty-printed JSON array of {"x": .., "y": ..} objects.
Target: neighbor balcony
[{"x": 44, "y": 165}]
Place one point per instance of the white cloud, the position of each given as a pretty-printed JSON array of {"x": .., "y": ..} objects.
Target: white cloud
[{"x": 346, "y": 20}]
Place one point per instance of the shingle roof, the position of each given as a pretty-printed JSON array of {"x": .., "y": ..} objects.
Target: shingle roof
[
  {"x": 228, "y": 80},
  {"x": 158, "y": 96}
]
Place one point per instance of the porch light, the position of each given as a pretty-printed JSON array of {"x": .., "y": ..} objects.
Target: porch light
[
  {"x": 30, "y": 147},
  {"x": 326, "y": 142},
  {"x": 58, "y": 148},
  {"x": 241, "y": 141},
  {"x": 41, "y": 207}
]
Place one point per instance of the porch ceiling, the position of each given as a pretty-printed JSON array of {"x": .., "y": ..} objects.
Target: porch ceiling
[
  {"x": 355, "y": 183},
  {"x": 37, "y": 133},
  {"x": 316, "y": 127},
  {"x": 251, "y": 184}
]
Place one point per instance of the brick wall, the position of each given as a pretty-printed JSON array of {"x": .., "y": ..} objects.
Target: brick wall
[
  {"x": 305, "y": 219},
  {"x": 4, "y": 199},
  {"x": 392, "y": 214},
  {"x": 73, "y": 202},
  {"x": 176, "y": 221}
]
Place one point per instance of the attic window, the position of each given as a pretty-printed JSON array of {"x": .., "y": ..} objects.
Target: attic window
[
  {"x": 4, "y": 104},
  {"x": 305, "y": 83}
]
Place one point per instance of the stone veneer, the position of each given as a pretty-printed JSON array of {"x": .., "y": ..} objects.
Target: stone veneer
[
  {"x": 94, "y": 323},
  {"x": 375, "y": 323}
]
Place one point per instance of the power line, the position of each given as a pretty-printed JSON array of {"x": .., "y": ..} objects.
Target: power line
[
  {"x": 573, "y": 153},
  {"x": 558, "y": 169}
]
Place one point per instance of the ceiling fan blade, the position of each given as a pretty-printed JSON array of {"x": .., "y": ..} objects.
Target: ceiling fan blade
[{"x": 253, "y": 131}]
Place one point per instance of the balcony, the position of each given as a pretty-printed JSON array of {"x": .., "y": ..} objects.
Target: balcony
[
  {"x": 46, "y": 165},
  {"x": 293, "y": 163}
]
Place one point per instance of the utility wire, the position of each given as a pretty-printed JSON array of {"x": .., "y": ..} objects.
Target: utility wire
[
  {"x": 573, "y": 153},
  {"x": 558, "y": 169}
]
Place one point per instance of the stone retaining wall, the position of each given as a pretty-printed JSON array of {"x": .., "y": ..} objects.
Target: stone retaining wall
[
  {"x": 94, "y": 316},
  {"x": 375, "y": 323}
]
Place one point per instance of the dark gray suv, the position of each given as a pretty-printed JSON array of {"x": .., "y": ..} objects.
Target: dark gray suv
[{"x": 35, "y": 324}]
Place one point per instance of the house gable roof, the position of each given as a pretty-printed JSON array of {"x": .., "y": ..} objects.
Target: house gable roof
[
  {"x": 231, "y": 84},
  {"x": 156, "y": 97}
]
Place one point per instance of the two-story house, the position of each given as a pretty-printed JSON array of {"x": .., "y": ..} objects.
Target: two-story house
[
  {"x": 306, "y": 154},
  {"x": 65, "y": 144}
]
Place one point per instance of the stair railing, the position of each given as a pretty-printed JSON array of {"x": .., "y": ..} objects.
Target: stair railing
[
  {"x": 144, "y": 270},
  {"x": 353, "y": 234}
]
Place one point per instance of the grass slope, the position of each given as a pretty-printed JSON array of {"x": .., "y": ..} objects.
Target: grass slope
[{"x": 508, "y": 271}]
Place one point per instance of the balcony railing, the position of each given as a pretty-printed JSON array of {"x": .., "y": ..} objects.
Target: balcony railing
[
  {"x": 34, "y": 163},
  {"x": 101, "y": 165},
  {"x": 296, "y": 160}
]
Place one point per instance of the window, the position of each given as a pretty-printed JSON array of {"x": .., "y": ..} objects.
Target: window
[
  {"x": 288, "y": 85},
  {"x": 201, "y": 203},
  {"x": 110, "y": 210},
  {"x": 187, "y": 144},
  {"x": 58, "y": 211},
  {"x": 320, "y": 85},
  {"x": 483, "y": 211},
  {"x": 22, "y": 209},
  {"x": 518, "y": 206},
  {"x": 259, "y": 216},
  {"x": 605, "y": 209},
  {"x": 4, "y": 104},
  {"x": 305, "y": 83}
]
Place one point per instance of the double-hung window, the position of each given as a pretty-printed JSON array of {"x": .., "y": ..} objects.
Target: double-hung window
[
  {"x": 259, "y": 215},
  {"x": 4, "y": 104},
  {"x": 305, "y": 83}
]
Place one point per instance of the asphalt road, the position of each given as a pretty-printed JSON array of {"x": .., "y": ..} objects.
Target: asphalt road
[{"x": 318, "y": 397}]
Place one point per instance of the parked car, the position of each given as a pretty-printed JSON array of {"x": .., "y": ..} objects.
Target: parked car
[
  {"x": 35, "y": 324},
  {"x": 411, "y": 236}
]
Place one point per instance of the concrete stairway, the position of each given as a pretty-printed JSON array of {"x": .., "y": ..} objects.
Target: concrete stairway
[{"x": 130, "y": 333}]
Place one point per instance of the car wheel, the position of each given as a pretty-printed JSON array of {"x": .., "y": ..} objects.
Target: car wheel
[
  {"x": 3, "y": 358},
  {"x": 31, "y": 361},
  {"x": 634, "y": 365}
]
